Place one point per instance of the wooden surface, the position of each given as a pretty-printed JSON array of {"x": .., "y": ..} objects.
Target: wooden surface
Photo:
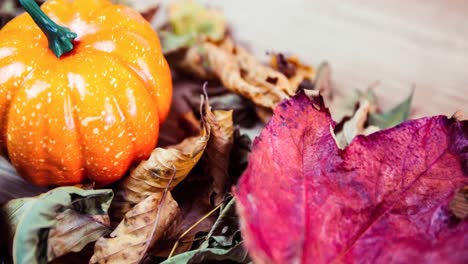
[{"x": 399, "y": 43}]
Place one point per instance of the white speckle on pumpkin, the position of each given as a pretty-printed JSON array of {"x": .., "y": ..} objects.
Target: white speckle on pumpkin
[{"x": 86, "y": 120}]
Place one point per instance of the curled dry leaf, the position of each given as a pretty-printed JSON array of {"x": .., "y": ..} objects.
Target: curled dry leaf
[
  {"x": 383, "y": 199},
  {"x": 299, "y": 75},
  {"x": 142, "y": 226},
  {"x": 60, "y": 221},
  {"x": 366, "y": 120},
  {"x": 183, "y": 119},
  {"x": 356, "y": 126},
  {"x": 207, "y": 60},
  {"x": 205, "y": 187},
  {"x": 209, "y": 54},
  {"x": 217, "y": 153},
  {"x": 323, "y": 82},
  {"x": 154, "y": 174},
  {"x": 73, "y": 231},
  {"x": 255, "y": 72},
  {"x": 344, "y": 104}
]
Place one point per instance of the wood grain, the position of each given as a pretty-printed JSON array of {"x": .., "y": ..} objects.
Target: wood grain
[{"x": 399, "y": 43}]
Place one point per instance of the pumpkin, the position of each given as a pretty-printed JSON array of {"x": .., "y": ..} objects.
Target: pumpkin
[{"x": 89, "y": 106}]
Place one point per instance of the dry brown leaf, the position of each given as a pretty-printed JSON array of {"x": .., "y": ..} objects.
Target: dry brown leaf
[
  {"x": 217, "y": 153},
  {"x": 344, "y": 103},
  {"x": 356, "y": 126},
  {"x": 264, "y": 114},
  {"x": 193, "y": 197},
  {"x": 459, "y": 203},
  {"x": 165, "y": 168},
  {"x": 246, "y": 76},
  {"x": 238, "y": 71},
  {"x": 257, "y": 72},
  {"x": 72, "y": 229},
  {"x": 154, "y": 174},
  {"x": 298, "y": 74},
  {"x": 205, "y": 186},
  {"x": 323, "y": 81},
  {"x": 142, "y": 226}
]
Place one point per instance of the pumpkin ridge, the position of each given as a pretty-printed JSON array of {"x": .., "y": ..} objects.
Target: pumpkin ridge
[
  {"x": 39, "y": 178},
  {"x": 128, "y": 127},
  {"x": 146, "y": 87},
  {"x": 134, "y": 72},
  {"x": 79, "y": 136},
  {"x": 7, "y": 106},
  {"x": 6, "y": 113}
]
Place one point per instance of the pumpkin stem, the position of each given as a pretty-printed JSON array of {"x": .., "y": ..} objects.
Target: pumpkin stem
[{"x": 60, "y": 38}]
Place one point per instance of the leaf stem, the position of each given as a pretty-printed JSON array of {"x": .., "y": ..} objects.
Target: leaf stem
[
  {"x": 176, "y": 244},
  {"x": 60, "y": 38}
]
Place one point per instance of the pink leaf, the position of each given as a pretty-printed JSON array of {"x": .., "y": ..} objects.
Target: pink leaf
[{"x": 383, "y": 199}]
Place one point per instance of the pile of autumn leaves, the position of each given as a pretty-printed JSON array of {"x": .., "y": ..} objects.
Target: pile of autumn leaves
[{"x": 314, "y": 189}]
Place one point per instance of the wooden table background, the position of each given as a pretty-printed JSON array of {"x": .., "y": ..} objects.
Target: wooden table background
[{"x": 399, "y": 43}]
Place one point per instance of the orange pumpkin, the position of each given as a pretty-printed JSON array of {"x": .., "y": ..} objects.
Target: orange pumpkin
[{"x": 90, "y": 114}]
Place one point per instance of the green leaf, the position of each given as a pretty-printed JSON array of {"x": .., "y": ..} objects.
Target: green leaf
[
  {"x": 171, "y": 42},
  {"x": 224, "y": 230},
  {"x": 235, "y": 254},
  {"x": 222, "y": 243},
  {"x": 188, "y": 17},
  {"x": 40, "y": 224},
  {"x": 395, "y": 116}
]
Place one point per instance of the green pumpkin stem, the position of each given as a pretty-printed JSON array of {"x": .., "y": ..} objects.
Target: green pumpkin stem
[{"x": 60, "y": 38}]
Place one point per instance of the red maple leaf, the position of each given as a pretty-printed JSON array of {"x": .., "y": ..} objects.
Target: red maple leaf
[{"x": 383, "y": 199}]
